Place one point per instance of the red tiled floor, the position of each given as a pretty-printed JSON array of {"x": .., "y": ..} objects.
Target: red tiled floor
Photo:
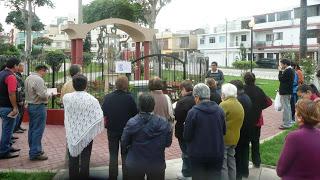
[{"x": 54, "y": 145}]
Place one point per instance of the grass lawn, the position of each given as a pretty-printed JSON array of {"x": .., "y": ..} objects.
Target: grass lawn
[
  {"x": 270, "y": 150},
  {"x": 268, "y": 86},
  {"x": 26, "y": 176}
]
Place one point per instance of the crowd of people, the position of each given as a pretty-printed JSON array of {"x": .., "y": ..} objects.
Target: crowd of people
[{"x": 215, "y": 123}]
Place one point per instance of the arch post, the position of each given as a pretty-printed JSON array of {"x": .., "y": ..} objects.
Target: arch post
[
  {"x": 77, "y": 51},
  {"x": 146, "y": 51},
  {"x": 137, "y": 72}
]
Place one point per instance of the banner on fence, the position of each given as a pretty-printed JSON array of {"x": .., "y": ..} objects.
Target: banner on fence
[{"x": 123, "y": 67}]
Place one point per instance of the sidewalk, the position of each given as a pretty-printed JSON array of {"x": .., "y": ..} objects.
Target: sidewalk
[{"x": 173, "y": 167}]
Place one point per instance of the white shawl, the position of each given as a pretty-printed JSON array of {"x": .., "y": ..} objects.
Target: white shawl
[{"x": 83, "y": 120}]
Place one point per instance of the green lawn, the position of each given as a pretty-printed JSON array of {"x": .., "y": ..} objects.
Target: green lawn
[
  {"x": 268, "y": 86},
  {"x": 270, "y": 150},
  {"x": 26, "y": 176}
]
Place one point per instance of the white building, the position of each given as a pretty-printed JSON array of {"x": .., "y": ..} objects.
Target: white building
[{"x": 274, "y": 33}]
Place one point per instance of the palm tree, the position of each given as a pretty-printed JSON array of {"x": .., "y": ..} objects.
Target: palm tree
[{"x": 303, "y": 29}]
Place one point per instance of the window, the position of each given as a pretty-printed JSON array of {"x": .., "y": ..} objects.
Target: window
[
  {"x": 183, "y": 42},
  {"x": 284, "y": 15},
  {"x": 270, "y": 55},
  {"x": 313, "y": 33},
  {"x": 278, "y": 36},
  {"x": 245, "y": 24},
  {"x": 133, "y": 45},
  {"x": 269, "y": 37},
  {"x": 202, "y": 41},
  {"x": 271, "y": 17},
  {"x": 243, "y": 37},
  {"x": 260, "y": 19},
  {"x": 222, "y": 39},
  {"x": 212, "y": 40}
]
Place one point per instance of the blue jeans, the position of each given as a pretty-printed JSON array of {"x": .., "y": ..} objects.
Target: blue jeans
[
  {"x": 7, "y": 129},
  {"x": 186, "y": 163},
  {"x": 37, "y": 123}
]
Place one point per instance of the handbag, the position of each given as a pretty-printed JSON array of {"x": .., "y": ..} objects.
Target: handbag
[{"x": 277, "y": 102}]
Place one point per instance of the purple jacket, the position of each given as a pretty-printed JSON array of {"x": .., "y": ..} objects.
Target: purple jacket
[{"x": 300, "y": 157}]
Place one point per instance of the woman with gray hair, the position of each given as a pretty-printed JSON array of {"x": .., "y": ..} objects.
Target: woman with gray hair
[
  {"x": 234, "y": 119},
  {"x": 203, "y": 131},
  {"x": 144, "y": 140}
]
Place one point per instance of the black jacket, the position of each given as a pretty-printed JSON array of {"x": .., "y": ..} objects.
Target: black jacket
[
  {"x": 286, "y": 78},
  {"x": 144, "y": 139},
  {"x": 203, "y": 131},
  {"x": 118, "y": 107},
  {"x": 245, "y": 101},
  {"x": 214, "y": 96},
  {"x": 180, "y": 113}
]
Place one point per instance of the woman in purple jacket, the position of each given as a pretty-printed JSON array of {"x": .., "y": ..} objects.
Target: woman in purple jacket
[{"x": 300, "y": 158}]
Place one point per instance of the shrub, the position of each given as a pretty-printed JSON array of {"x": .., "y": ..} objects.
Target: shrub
[
  {"x": 55, "y": 59},
  {"x": 308, "y": 67},
  {"x": 243, "y": 65}
]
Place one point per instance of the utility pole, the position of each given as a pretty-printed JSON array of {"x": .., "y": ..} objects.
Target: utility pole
[
  {"x": 226, "y": 42},
  {"x": 80, "y": 19}
]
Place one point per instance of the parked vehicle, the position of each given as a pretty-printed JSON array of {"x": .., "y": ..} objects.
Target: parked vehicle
[{"x": 267, "y": 63}]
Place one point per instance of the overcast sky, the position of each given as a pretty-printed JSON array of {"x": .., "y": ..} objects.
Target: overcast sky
[{"x": 179, "y": 14}]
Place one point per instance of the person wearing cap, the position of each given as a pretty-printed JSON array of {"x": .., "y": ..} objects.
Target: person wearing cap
[{"x": 217, "y": 75}]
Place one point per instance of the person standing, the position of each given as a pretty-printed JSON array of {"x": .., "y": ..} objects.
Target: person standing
[
  {"x": 8, "y": 106},
  {"x": 214, "y": 96},
  {"x": 316, "y": 79},
  {"x": 183, "y": 106},
  {"x": 300, "y": 158},
  {"x": 242, "y": 149},
  {"x": 68, "y": 87},
  {"x": 37, "y": 100},
  {"x": 83, "y": 119},
  {"x": 294, "y": 96},
  {"x": 144, "y": 139},
  {"x": 203, "y": 131},
  {"x": 21, "y": 97},
  {"x": 259, "y": 102},
  {"x": 118, "y": 107},
  {"x": 286, "y": 77},
  {"x": 163, "y": 106},
  {"x": 234, "y": 120},
  {"x": 217, "y": 75}
]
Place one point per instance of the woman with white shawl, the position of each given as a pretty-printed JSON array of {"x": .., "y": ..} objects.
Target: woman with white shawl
[{"x": 83, "y": 120}]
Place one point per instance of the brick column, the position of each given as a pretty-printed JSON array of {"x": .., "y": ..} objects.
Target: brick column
[
  {"x": 146, "y": 46},
  {"x": 76, "y": 51},
  {"x": 137, "y": 72}
]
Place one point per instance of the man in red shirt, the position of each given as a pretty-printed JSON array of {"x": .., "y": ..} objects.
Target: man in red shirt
[{"x": 8, "y": 106}]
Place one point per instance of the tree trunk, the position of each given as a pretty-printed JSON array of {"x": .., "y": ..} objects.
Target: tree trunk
[
  {"x": 29, "y": 31},
  {"x": 303, "y": 30}
]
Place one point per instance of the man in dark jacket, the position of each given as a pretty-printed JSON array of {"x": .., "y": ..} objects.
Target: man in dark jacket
[
  {"x": 286, "y": 77},
  {"x": 118, "y": 107},
  {"x": 145, "y": 138},
  {"x": 204, "y": 130},
  {"x": 242, "y": 149},
  {"x": 217, "y": 75},
  {"x": 183, "y": 106},
  {"x": 20, "y": 98}
]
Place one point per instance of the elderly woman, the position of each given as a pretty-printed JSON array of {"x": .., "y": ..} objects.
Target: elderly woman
[
  {"x": 83, "y": 120},
  {"x": 203, "y": 131},
  {"x": 234, "y": 119},
  {"x": 300, "y": 158},
  {"x": 163, "y": 105},
  {"x": 214, "y": 95},
  {"x": 259, "y": 101},
  {"x": 144, "y": 139},
  {"x": 305, "y": 92}
]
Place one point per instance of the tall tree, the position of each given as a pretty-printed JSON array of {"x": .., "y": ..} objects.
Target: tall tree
[
  {"x": 151, "y": 9},
  {"x": 303, "y": 29},
  {"x": 16, "y": 18},
  {"x": 103, "y": 9}
]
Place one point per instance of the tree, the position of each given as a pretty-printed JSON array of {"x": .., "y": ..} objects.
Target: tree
[
  {"x": 303, "y": 29},
  {"x": 16, "y": 18},
  {"x": 151, "y": 9},
  {"x": 9, "y": 50},
  {"x": 42, "y": 41},
  {"x": 104, "y": 9},
  {"x": 1, "y": 28},
  {"x": 243, "y": 52},
  {"x": 55, "y": 59}
]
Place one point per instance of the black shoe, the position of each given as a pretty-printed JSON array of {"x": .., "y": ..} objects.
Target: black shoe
[
  {"x": 40, "y": 158},
  {"x": 9, "y": 156},
  {"x": 22, "y": 129},
  {"x": 14, "y": 150},
  {"x": 19, "y": 131},
  {"x": 13, "y": 138}
]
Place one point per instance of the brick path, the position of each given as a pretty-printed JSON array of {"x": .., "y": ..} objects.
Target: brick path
[{"x": 54, "y": 145}]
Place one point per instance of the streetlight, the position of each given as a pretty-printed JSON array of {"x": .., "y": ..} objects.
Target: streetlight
[{"x": 251, "y": 24}]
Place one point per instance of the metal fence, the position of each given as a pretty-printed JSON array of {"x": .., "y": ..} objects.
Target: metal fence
[{"x": 102, "y": 75}]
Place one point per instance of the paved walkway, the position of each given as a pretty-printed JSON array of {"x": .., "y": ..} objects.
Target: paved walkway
[
  {"x": 259, "y": 72},
  {"x": 54, "y": 144}
]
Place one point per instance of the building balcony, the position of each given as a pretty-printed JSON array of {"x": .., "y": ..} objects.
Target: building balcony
[{"x": 258, "y": 44}]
